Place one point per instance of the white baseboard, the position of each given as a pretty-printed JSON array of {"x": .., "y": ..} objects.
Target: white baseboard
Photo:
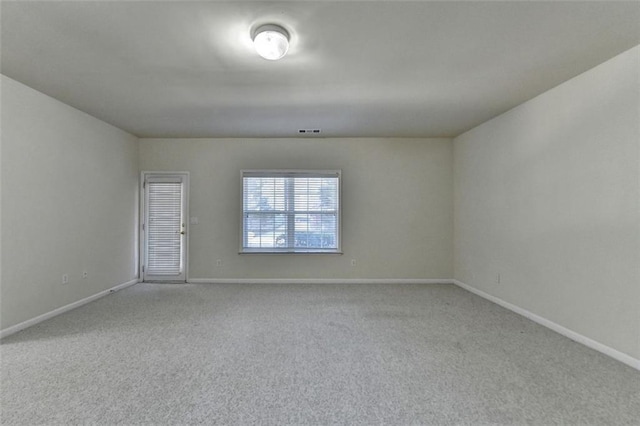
[
  {"x": 319, "y": 281},
  {"x": 613, "y": 353},
  {"x": 33, "y": 321}
]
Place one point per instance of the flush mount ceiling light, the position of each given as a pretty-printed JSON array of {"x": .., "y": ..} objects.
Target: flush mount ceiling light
[{"x": 271, "y": 41}]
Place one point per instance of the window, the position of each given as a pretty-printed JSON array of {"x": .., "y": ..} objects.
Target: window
[{"x": 290, "y": 211}]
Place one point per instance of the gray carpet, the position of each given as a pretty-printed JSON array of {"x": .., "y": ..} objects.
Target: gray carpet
[{"x": 306, "y": 354}]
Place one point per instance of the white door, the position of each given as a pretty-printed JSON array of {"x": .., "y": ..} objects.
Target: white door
[{"x": 164, "y": 226}]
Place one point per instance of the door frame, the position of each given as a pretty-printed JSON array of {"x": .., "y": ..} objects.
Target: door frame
[{"x": 141, "y": 231}]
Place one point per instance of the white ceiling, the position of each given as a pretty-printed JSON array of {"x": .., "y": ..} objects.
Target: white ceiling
[{"x": 385, "y": 68}]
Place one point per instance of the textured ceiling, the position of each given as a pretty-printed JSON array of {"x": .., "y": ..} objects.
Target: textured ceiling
[{"x": 188, "y": 69}]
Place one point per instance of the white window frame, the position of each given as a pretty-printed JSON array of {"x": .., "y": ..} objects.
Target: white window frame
[{"x": 291, "y": 173}]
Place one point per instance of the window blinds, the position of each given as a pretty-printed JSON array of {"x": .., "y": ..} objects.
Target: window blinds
[
  {"x": 291, "y": 211},
  {"x": 164, "y": 227}
]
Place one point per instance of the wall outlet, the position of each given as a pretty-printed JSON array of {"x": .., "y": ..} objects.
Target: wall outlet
[
  {"x": 65, "y": 278},
  {"x": 219, "y": 262},
  {"x": 85, "y": 274},
  {"x": 353, "y": 262}
]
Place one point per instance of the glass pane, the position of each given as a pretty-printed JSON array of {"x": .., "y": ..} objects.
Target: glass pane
[
  {"x": 313, "y": 194},
  {"x": 315, "y": 231},
  {"x": 264, "y": 194},
  {"x": 164, "y": 209},
  {"x": 265, "y": 230}
]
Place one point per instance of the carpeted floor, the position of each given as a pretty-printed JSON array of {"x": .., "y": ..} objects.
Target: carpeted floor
[{"x": 306, "y": 354}]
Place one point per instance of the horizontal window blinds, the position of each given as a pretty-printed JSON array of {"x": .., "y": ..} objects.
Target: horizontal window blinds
[
  {"x": 164, "y": 227},
  {"x": 291, "y": 211}
]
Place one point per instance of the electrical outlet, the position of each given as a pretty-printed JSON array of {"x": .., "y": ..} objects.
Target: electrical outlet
[
  {"x": 353, "y": 262},
  {"x": 85, "y": 274},
  {"x": 65, "y": 278}
]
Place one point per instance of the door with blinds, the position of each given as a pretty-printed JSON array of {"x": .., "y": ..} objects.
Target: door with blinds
[{"x": 164, "y": 227}]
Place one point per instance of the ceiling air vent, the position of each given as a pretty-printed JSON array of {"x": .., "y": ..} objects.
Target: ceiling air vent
[{"x": 309, "y": 131}]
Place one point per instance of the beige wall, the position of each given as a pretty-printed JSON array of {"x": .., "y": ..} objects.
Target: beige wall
[
  {"x": 397, "y": 204},
  {"x": 69, "y": 204},
  {"x": 547, "y": 196}
]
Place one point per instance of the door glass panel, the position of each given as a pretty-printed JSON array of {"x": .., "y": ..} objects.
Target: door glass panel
[{"x": 164, "y": 228}]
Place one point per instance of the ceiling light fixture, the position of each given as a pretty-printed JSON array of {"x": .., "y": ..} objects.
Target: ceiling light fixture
[{"x": 271, "y": 41}]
